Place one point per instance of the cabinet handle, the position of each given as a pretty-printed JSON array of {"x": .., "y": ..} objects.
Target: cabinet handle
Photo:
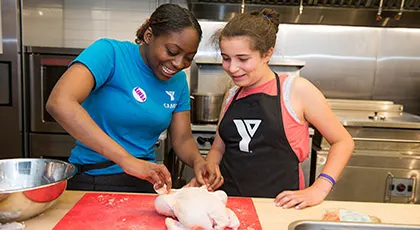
[
  {"x": 388, "y": 182},
  {"x": 412, "y": 199}
]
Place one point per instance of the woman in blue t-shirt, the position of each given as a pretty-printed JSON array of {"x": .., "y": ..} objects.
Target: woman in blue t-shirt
[{"x": 117, "y": 97}]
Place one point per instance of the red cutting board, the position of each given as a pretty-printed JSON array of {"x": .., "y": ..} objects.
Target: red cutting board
[{"x": 104, "y": 211}]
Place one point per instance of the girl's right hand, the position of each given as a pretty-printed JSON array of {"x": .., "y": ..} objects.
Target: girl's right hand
[{"x": 156, "y": 174}]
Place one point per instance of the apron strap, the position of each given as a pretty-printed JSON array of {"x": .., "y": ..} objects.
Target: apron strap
[
  {"x": 87, "y": 167},
  {"x": 278, "y": 89},
  {"x": 82, "y": 168}
]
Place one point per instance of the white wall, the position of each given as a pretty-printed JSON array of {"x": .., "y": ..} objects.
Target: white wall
[{"x": 77, "y": 23}]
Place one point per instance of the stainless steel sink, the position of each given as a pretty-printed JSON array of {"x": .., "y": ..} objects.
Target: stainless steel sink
[{"x": 326, "y": 225}]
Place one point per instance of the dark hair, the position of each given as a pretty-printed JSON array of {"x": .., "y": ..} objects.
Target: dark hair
[
  {"x": 261, "y": 27},
  {"x": 168, "y": 18}
]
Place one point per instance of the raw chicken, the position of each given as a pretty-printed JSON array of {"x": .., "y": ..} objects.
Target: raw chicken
[
  {"x": 349, "y": 216},
  {"x": 196, "y": 207},
  {"x": 12, "y": 226}
]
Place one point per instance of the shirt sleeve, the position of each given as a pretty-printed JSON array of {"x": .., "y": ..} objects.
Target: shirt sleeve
[
  {"x": 184, "y": 100},
  {"x": 99, "y": 58}
]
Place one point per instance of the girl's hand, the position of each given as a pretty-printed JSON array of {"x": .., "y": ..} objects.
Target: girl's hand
[
  {"x": 300, "y": 199},
  {"x": 208, "y": 174}
]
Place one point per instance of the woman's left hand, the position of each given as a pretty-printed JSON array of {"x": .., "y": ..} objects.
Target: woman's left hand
[
  {"x": 207, "y": 173},
  {"x": 300, "y": 199}
]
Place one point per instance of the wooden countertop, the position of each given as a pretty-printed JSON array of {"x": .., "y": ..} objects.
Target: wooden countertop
[{"x": 271, "y": 217}]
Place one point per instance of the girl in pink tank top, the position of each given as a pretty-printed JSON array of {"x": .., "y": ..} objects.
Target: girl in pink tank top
[{"x": 263, "y": 129}]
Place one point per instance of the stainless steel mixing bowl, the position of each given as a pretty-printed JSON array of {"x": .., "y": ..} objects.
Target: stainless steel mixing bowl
[{"x": 30, "y": 186}]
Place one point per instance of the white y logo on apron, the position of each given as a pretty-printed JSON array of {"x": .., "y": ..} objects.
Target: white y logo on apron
[{"x": 246, "y": 129}]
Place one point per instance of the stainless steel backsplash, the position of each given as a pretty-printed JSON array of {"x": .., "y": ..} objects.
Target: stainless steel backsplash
[{"x": 348, "y": 62}]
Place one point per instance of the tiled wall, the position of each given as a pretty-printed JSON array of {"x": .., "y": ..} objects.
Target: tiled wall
[{"x": 77, "y": 23}]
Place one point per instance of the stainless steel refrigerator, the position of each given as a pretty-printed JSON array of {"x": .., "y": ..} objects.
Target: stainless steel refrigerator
[{"x": 11, "y": 103}]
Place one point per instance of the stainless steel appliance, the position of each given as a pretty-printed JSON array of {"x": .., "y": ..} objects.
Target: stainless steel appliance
[
  {"x": 385, "y": 165},
  {"x": 346, "y": 62},
  {"x": 11, "y": 122},
  {"x": 384, "y": 13},
  {"x": 205, "y": 107},
  {"x": 203, "y": 135},
  {"x": 45, "y": 65},
  {"x": 208, "y": 77}
]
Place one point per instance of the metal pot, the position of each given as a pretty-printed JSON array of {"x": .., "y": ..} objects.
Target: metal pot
[{"x": 205, "y": 107}]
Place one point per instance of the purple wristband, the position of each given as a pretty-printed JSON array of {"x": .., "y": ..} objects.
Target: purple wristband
[{"x": 328, "y": 177}]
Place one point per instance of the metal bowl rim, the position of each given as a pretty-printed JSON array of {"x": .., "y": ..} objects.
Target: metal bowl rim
[
  {"x": 40, "y": 186},
  {"x": 293, "y": 224}
]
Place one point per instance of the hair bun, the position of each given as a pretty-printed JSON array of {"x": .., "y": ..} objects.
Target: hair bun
[{"x": 271, "y": 15}]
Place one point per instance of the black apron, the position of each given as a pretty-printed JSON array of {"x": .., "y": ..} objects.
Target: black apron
[{"x": 258, "y": 160}]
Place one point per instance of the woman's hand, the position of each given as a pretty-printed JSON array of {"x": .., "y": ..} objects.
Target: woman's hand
[
  {"x": 156, "y": 174},
  {"x": 300, "y": 199},
  {"x": 206, "y": 173}
]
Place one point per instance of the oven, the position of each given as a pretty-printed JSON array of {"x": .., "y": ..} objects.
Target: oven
[
  {"x": 203, "y": 135},
  {"x": 45, "y": 65},
  {"x": 385, "y": 163}
]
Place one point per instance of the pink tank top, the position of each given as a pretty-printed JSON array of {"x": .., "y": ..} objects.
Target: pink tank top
[{"x": 297, "y": 132}]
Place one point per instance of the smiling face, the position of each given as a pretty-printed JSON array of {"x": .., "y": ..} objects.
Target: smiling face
[
  {"x": 246, "y": 67},
  {"x": 170, "y": 53}
]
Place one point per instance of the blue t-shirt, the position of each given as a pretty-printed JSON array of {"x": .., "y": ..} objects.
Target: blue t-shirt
[{"x": 129, "y": 103}]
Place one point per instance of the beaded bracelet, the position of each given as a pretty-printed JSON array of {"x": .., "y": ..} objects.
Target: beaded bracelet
[{"x": 328, "y": 178}]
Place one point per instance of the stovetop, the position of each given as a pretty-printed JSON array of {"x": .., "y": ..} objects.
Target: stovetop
[
  {"x": 203, "y": 127},
  {"x": 203, "y": 135}
]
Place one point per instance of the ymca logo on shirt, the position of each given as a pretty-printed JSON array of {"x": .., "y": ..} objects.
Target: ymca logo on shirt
[
  {"x": 171, "y": 95},
  {"x": 246, "y": 129},
  {"x": 139, "y": 94}
]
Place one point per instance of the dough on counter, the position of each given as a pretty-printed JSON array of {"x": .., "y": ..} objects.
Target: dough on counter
[{"x": 196, "y": 207}]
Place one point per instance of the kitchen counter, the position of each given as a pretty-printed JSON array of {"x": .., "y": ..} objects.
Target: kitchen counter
[{"x": 271, "y": 217}]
